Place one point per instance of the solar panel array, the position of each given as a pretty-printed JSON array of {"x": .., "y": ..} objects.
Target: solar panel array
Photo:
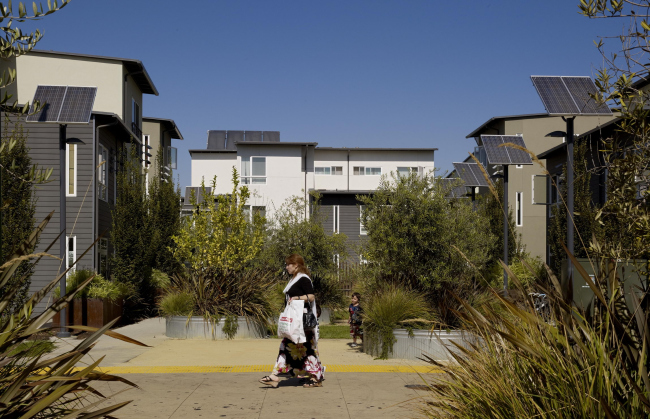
[
  {"x": 63, "y": 104},
  {"x": 564, "y": 95},
  {"x": 505, "y": 155},
  {"x": 453, "y": 189},
  {"x": 471, "y": 174}
]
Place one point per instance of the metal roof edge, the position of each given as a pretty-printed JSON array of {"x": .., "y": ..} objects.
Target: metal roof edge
[
  {"x": 496, "y": 118},
  {"x": 171, "y": 122},
  {"x": 373, "y": 149},
  {"x": 203, "y": 150},
  {"x": 138, "y": 63}
]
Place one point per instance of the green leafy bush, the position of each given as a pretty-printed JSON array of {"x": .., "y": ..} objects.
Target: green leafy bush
[
  {"x": 176, "y": 304},
  {"x": 110, "y": 290},
  {"x": 73, "y": 281},
  {"x": 327, "y": 291},
  {"x": 392, "y": 306},
  {"x": 160, "y": 280}
]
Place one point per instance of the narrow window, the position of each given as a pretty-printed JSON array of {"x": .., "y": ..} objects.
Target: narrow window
[
  {"x": 337, "y": 170},
  {"x": 71, "y": 253},
  {"x": 146, "y": 146},
  {"x": 136, "y": 119},
  {"x": 519, "y": 210},
  {"x": 335, "y": 218},
  {"x": 102, "y": 258},
  {"x": 359, "y": 171},
  {"x": 71, "y": 169},
  {"x": 102, "y": 178},
  {"x": 337, "y": 260},
  {"x": 173, "y": 157},
  {"x": 362, "y": 228}
]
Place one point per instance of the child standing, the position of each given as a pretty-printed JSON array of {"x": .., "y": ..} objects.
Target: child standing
[{"x": 355, "y": 319}]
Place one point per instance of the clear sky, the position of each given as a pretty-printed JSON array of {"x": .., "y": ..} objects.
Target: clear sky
[{"x": 349, "y": 73}]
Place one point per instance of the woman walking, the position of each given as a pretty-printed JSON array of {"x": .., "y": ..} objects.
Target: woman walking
[{"x": 299, "y": 358}]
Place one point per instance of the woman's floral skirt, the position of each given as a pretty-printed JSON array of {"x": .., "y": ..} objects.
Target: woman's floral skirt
[{"x": 302, "y": 358}]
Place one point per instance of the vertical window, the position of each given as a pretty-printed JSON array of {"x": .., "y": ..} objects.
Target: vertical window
[
  {"x": 336, "y": 218},
  {"x": 136, "y": 119},
  {"x": 253, "y": 170},
  {"x": 102, "y": 176},
  {"x": 359, "y": 171},
  {"x": 337, "y": 260},
  {"x": 102, "y": 258},
  {"x": 146, "y": 146},
  {"x": 519, "y": 211},
  {"x": 71, "y": 253},
  {"x": 362, "y": 228},
  {"x": 172, "y": 157},
  {"x": 71, "y": 169}
]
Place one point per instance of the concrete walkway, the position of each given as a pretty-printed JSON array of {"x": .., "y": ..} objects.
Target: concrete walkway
[{"x": 213, "y": 379}]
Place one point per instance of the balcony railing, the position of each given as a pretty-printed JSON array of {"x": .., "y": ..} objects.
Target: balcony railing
[{"x": 136, "y": 130}]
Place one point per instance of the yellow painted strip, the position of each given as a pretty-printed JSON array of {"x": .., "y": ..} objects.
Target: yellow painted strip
[{"x": 263, "y": 368}]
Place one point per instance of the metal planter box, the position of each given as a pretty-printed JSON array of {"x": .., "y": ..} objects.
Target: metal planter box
[
  {"x": 180, "y": 327},
  {"x": 424, "y": 342}
]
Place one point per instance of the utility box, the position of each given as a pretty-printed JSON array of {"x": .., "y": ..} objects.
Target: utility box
[{"x": 632, "y": 273}]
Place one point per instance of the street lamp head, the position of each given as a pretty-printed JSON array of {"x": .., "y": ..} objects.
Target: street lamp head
[
  {"x": 76, "y": 141},
  {"x": 561, "y": 134}
]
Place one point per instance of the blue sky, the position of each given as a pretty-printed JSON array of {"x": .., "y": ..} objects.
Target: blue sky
[{"x": 409, "y": 73}]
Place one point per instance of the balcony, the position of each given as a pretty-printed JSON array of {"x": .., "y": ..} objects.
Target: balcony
[{"x": 136, "y": 130}]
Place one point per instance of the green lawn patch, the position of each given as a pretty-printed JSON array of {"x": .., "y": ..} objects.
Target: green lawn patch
[{"x": 335, "y": 332}]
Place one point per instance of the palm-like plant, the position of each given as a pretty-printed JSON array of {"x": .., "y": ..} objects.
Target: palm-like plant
[
  {"x": 37, "y": 386},
  {"x": 580, "y": 363}
]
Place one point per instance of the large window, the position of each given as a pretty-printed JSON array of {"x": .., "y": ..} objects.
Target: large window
[
  {"x": 519, "y": 210},
  {"x": 71, "y": 169},
  {"x": 102, "y": 175},
  {"x": 253, "y": 171}
]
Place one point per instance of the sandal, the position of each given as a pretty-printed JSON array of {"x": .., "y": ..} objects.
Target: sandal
[
  {"x": 313, "y": 383},
  {"x": 269, "y": 381}
]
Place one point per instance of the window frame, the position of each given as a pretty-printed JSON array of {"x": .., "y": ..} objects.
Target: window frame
[
  {"x": 519, "y": 209},
  {"x": 102, "y": 257},
  {"x": 68, "y": 263},
  {"x": 67, "y": 169},
  {"x": 102, "y": 176},
  {"x": 248, "y": 180},
  {"x": 362, "y": 229},
  {"x": 336, "y": 218},
  {"x": 359, "y": 171},
  {"x": 326, "y": 171},
  {"x": 369, "y": 170},
  {"x": 334, "y": 171}
]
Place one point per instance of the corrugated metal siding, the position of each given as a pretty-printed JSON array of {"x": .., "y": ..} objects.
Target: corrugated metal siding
[{"x": 43, "y": 141}]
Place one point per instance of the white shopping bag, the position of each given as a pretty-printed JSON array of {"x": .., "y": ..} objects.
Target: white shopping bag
[{"x": 290, "y": 322}]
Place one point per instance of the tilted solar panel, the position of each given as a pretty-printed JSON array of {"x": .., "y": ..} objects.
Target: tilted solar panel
[
  {"x": 77, "y": 105},
  {"x": 497, "y": 153},
  {"x": 51, "y": 99},
  {"x": 63, "y": 104},
  {"x": 566, "y": 95},
  {"x": 471, "y": 174}
]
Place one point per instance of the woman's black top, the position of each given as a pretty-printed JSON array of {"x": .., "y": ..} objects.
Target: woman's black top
[{"x": 301, "y": 287}]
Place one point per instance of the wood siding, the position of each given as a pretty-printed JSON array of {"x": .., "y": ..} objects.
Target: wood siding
[
  {"x": 43, "y": 141},
  {"x": 348, "y": 220}
]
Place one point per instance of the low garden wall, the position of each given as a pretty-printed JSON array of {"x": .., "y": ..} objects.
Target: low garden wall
[
  {"x": 179, "y": 327},
  {"x": 424, "y": 342}
]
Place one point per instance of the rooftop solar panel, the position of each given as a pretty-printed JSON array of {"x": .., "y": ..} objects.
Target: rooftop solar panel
[
  {"x": 564, "y": 95},
  {"x": 471, "y": 174},
  {"x": 453, "y": 188},
  {"x": 506, "y": 155},
  {"x": 63, "y": 104},
  {"x": 51, "y": 99}
]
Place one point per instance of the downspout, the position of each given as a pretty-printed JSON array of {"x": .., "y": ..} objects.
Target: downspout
[
  {"x": 348, "y": 169},
  {"x": 305, "y": 189},
  {"x": 95, "y": 216}
]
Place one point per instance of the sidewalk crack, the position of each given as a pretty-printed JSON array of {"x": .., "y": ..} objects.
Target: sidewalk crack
[{"x": 188, "y": 396}]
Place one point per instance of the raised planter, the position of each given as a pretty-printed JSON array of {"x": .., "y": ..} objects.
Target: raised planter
[
  {"x": 424, "y": 342},
  {"x": 92, "y": 312},
  {"x": 179, "y": 327},
  {"x": 325, "y": 314}
]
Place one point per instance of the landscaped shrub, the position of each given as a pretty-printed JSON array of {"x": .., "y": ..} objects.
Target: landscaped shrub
[
  {"x": 104, "y": 289},
  {"x": 160, "y": 280},
  {"x": 574, "y": 365},
  {"x": 176, "y": 304},
  {"x": 392, "y": 306},
  {"x": 73, "y": 281},
  {"x": 327, "y": 291},
  {"x": 221, "y": 293}
]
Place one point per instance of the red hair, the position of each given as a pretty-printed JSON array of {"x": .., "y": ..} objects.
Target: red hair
[{"x": 299, "y": 262}]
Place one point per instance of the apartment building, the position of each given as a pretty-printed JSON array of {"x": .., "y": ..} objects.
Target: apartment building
[
  {"x": 275, "y": 171},
  {"x": 537, "y": 131},
  {"x": 90, "y": 180}
]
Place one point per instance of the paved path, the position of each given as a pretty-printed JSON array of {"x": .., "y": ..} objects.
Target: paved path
[{"x": 214, "y": 379}]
